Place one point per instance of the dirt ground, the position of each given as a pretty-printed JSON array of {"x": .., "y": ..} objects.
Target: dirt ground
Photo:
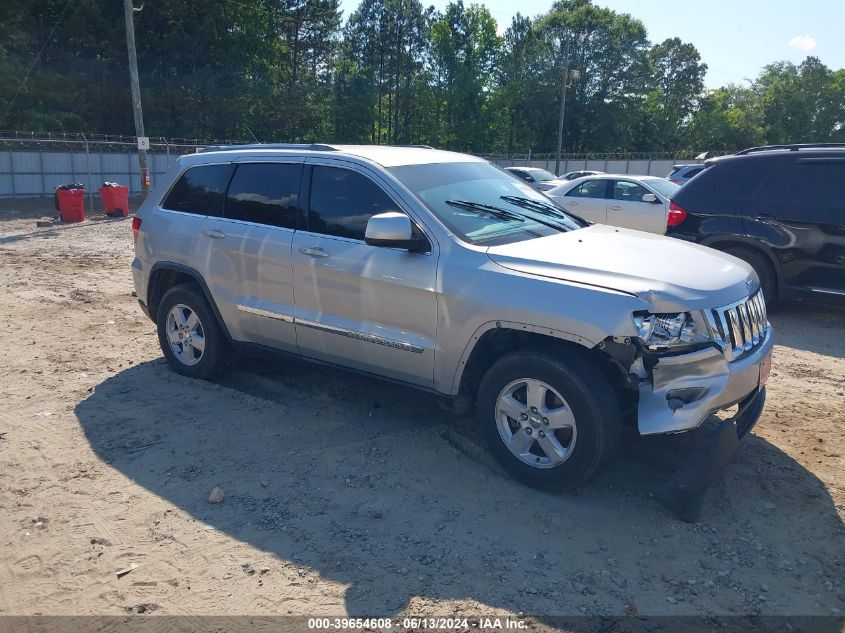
[{"x": 345, "y": 495}]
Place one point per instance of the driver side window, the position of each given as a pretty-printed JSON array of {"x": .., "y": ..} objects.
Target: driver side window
[
  {"x": 342, "y": 201},
  {"x": 628, "y": 191}
]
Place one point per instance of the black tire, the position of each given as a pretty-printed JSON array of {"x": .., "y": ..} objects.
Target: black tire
[
  {"x": 215, "y": 355},
  {"x": 761, "y": 266},
  {"x": 592, "y": 402}
]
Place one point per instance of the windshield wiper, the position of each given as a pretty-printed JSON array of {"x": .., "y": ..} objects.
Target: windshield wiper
[
  {"x": 486, "y": 209},
  {"x": 535, "y": 205}
]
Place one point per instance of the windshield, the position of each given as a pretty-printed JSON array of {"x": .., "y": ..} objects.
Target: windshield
[
  {"x": 665, "y": 188},
  {"x": 542, "y": 175},
  {"x": 483, "y": 204}
]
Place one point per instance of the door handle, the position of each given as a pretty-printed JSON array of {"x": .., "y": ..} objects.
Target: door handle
[
  {"x": 615, "y": 207},
  {"x": 314, "y": 251},
  {"x": 214, "y": 234},
  {"x": 571, "y": 203}
]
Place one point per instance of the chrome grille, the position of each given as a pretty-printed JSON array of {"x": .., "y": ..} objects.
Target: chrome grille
[{"x": 741, "y": 326}]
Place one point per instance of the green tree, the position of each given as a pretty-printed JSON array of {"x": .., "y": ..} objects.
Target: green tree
[
  {"x": 800, "y": 103},
  {"x": 519, "y": 86},
  {"x": 384, "y": 46},
  {"x": 610, "y": 52},
  {"x": 727, "y": 119},
  {"x": 676, "y": 84},
  {"x": 464, "y": 47}
]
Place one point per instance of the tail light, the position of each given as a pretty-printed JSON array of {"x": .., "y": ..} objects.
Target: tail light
[
  {"x": 676, "y": 215},
  {"x": 136, "y": 224}
]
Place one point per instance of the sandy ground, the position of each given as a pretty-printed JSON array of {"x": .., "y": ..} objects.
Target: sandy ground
[{"x": 348, "y": 495}]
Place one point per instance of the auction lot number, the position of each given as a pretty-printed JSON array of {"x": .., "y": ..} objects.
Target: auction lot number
[{"x": 388, "y": 623}]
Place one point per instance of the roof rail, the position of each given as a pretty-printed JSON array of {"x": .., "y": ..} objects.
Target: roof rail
[
  {"x": 416, "y": 146},
  {"x": 314, "y": 147},
  {"x": 794, "y": 147}
]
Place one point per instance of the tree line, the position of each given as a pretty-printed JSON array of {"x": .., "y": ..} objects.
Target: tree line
[{"x": 395, "y": 72}]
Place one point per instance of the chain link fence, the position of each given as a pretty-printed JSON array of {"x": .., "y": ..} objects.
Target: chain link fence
[
  {"x": 639, "y": 163},
  {"x": 34, "y": 164}
]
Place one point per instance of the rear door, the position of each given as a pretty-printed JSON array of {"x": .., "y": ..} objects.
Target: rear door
[
  {"x": 368, "y": 307},
  {"x": 800, "y": 214},
  {"x": 176, "y": 228},
  {"x": 588, "y": 200},
  {"x": 626, "y": 208},
  {"x": 249, "y": 262}
]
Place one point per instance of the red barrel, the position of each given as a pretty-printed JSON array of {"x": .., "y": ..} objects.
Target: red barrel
[
  {"x": 71, "y": 204},
  {"x": 115, "y": 200}
]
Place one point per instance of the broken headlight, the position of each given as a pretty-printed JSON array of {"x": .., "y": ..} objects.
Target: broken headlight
[{"x": 671, "y": 330}]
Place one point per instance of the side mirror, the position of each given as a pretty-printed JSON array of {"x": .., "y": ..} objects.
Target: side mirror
[
  {"x": 393, "y": 230},
  {"x": 650, "y": 197}
]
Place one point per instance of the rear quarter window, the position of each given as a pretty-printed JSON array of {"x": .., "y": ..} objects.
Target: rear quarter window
[
  {"x": 739, "y": 180},
  {"x": 810, "y": 182},
  {"x": 200, "y": 190}
]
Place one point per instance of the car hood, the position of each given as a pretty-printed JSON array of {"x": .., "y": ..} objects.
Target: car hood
[{"x": 669, "y": 274}]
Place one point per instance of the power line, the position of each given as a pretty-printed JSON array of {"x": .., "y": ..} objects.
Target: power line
[{"x": 35, "y": 62}]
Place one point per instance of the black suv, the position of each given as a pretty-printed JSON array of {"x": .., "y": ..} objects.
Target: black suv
[{"x": 781, "y": 208}]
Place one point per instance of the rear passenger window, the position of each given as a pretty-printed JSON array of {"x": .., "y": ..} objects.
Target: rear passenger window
[
  {"x": 342, "y": 201},
  {"x": 200, "y": 190},
  {"x": 692, "y": 172},
  {"x": 590, "y": 189},
  {"x": 265, "y": 194}
]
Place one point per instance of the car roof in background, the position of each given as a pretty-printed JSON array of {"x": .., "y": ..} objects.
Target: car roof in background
[
  {"x": 512, "y": 167},
  {"x": 777, "y": 154},
  {"x": 571, "y": 184},
  {"x": 774, "y": 151},
  {"x": 384, "y": 155},
  {"x": 604, "y": 176}
]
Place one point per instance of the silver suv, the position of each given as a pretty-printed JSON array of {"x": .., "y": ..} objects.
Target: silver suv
[{"x": 445, "y": 272}]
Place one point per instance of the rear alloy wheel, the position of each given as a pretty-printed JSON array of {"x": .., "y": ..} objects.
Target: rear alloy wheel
[
  {"x": 185, "y": 335},
  {"x": 551, "y": 421},
  {"x": 189, "y": 335}
]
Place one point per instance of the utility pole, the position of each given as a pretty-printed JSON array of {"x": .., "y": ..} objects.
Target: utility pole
[
  {"x": 565, "y": 83},
  {"x": 129, "y": 11}
]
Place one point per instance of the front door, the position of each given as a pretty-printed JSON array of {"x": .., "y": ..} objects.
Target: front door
[
  {"x": 367, "y": 307},
  {"x": 626, "y": 208}
]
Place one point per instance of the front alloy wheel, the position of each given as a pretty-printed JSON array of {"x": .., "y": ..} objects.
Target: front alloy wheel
[
  {"x": 536, "y": 423},
  {"x": 550, "y": 419}
]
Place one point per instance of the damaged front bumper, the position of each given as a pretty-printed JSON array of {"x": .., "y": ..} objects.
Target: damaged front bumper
[
  {"x": 683, "y": 391},
  {"x": 684, "y": 493},
  {"x": 686, "y": 388}
]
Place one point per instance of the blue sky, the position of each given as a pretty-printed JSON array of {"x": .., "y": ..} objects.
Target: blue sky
[{"x": 736, "y": 38}]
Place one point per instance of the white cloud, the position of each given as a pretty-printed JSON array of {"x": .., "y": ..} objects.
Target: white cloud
[{"x": 803, "y": 43}]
